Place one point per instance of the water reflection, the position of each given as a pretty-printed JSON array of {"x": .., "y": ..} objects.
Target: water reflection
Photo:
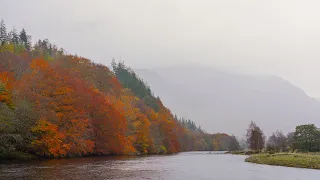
[{"x": 192, "y": 165}]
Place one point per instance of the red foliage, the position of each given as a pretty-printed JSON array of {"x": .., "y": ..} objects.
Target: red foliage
[{"x": 83, "y": 109}]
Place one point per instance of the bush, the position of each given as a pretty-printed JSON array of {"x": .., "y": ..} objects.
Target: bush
[
  {"x": 162, "y": 150},
  {"x": 16, "y": 155},
  {"x": 10, "y": 142}
]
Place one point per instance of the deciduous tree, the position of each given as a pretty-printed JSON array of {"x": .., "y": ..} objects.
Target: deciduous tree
[{"x": 255, "y": 137}]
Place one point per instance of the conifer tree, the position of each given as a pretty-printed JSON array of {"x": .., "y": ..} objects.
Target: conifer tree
[
  {"x": 13, "y": 36},
  {"x": 3, "y": 33},
  {"x": 25, "y": 39}
]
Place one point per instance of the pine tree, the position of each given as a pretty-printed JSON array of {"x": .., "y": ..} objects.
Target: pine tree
[
  {"x": 3, "y": 33},
  {"x": 13, "y": 36},
  {"x": 25, "y": 39}
]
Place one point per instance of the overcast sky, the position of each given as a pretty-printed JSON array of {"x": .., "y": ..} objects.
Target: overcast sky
[{"x": 280, "y": 37}]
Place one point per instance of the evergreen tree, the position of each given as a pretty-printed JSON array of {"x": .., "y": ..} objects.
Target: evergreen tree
[
  {"x": 25, "y": 39},
  {"x": 3, "y": 33},
  {"x": 13, "y": 36},
  {"x": 129, "y": 79}
]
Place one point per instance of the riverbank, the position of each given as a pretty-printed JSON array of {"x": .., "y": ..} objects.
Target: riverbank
[
  {"x": 298, "y": 160},
  {"x": 16, "y": 155},
  {"x": 242, "y": 152},
  {"x": 22, "y": 156}
]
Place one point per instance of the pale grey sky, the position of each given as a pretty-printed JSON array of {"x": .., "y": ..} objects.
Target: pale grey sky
[{"x": 280, "y": 37}]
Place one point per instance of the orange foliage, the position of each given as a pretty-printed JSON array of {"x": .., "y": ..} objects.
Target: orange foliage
[
  {"x": 109, "y": 126},
  {"x": 50, "y": 140},
  {"x": 56, "y": 92},
  {"x": 7, "y": 82},
  {"x": 143, "y": 135},
  {"x": 85, "y": 110},
  {"x": 39, "y": 64}
]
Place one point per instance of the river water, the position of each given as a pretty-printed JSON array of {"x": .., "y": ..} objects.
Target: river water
[{"x": 182, "y": 166}]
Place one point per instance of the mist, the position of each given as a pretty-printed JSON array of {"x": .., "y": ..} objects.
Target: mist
[{"x": 278, "y": 37}]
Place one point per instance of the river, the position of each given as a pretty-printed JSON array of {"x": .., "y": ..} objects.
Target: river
[{"x": 182, "y": 166}]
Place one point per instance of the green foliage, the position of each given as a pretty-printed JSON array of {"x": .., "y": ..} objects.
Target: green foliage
[
  {"x": 25, "y": 119},
  {"x": 243, "y": 152},
  {"x": 188, "y": 124},
  {"x": 6, "y": 119},
  {"x": 12, "y": 155},
  {"x": 15, "y": 128},
  {"x": 3, "y": 33},
  {"x": 13, "y": 48},
  {"x": 14, "y": 42},
  {"x": 130, "y": 80},
  {"x": 19, "y": 49},
  {"x": 10, "y": 142},
  {"x": 11, "y": 146},
  {"x": 25, "y": 39},
  {"x": 287, "y": 159},
  {"x": 13, "y": 36},
  {"x": 151, "y": 102},
  {"x": 307, "y": 138},
  {"x": 7, "y": 47},
  {"x": 2, "y": 87},
  {"x": 162, "y": 150},
  {"x": 291, "y": 142},
  {"x": 46, "y": 50}
]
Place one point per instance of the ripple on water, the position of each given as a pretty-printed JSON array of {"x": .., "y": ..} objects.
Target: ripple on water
[{"x": 186, "y": 166}]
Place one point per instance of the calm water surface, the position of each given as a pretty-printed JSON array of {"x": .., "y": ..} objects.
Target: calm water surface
[{"x": 184, "y": 166}]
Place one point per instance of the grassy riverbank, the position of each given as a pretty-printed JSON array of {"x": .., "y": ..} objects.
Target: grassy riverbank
[
  {"x": 311, "y": 161},
  {"x": 242, "y": 152}
]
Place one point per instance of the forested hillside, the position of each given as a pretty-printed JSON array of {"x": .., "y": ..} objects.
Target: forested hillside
[
  {"x": 54, "y": 104},
  {"x": 227, "y": 101}
]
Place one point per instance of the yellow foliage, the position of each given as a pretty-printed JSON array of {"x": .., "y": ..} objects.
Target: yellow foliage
[
  {"x": 215, "y": 145},
  {"x": 7, "y": 48}
]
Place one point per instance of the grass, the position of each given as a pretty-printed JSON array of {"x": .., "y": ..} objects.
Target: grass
[
  {"x": 298, "y": 160},
  {"x": 242, "y": 152}
]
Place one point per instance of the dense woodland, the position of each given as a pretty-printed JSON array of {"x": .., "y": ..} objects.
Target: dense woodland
[{"x": 54, "y": 104}]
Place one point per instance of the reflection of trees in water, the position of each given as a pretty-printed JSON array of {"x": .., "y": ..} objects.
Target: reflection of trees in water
[{"x": 73, "y": 168}]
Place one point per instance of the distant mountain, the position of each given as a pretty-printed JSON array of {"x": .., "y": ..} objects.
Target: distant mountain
[{"x": 226, "y": 102}]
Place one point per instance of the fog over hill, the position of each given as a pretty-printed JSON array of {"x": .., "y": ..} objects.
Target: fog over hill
[{"x": 222, "y": 101}]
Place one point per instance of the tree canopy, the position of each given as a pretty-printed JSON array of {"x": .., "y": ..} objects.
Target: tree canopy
[{"x": 55, "y": 104}]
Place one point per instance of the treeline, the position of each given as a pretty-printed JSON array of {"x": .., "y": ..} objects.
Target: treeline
[
  {"x": 18, "y": 43},
  {"x": 53, "y": 104},
  {"x": 305, "y": 138}
]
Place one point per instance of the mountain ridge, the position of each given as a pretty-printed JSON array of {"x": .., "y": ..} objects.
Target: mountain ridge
[{"x": 225, "y": 101}]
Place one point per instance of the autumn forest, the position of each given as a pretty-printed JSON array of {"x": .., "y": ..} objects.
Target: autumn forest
[{"x": 55, "y": 105}]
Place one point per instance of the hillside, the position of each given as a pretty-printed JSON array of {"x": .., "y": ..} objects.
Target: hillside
[
  {"x": 226, "y": 101},
  {"x": 53, "y": 104}
]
